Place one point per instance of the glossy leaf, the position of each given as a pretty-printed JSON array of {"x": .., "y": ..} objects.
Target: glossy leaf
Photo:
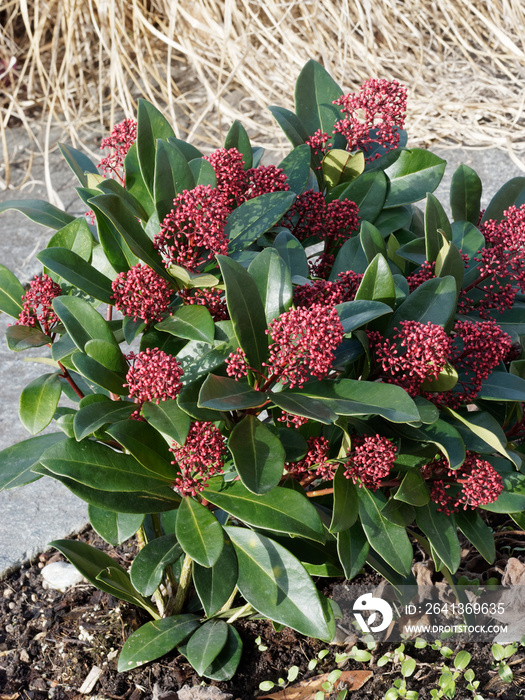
[
  {"x": 478, "y": 532},
  {"x": 444, "y": 436},
  {"x": 434, "y": 301},
  {"x": 192, "y": 322},
  {"x": 239, "y": 139},
  {"x": 199, "y": 532},
  {"x": 94, "y": 416},
  {"x": 38, "y": 402},
  {"x": 276, "y": 584},
  {"x": 436, "y": 220},
  {"x": 281, "y": 509},
  {"x": 511, "y": 194},
  {"x": 258, "y": 455},
  {"x": 449, "y": 261},
  {"x": 345, "y": 510},
  {"x": 292, "y": 252},
  {"x": 354, "y": 314},
  {"x": 341, "y": 166},
  {"x": 203, "y": 172},
  {"x": 216, "y": 583},
  {"x": 225, "y": 664},
  {"x": 465, "y": 195},
  {"x": 114, "y": 528},
  {"x": 441, "y": 531},
  {"x": 20, "y": 338},
  {"x": 79, "y": 163},
  {"x": 154, "y": 639},
  {"x": 17, "y": 461},
  {"x": 501, "y": 386},
  {"x": 413, "y": 489},
  {"x": 372, "y": 241},
  {"x": 412, "y": 173},
  {"x": 314, "y": 87},
  {"x": 246, "y": 311},
  {"x": 255, "y": 217},
  {"x": 228, "y": 394},
  {"x": 274, "y": 282},
  {"x": 299, "y": 405},
  {"x": 11, "y": 293},
  {"x": 368, "y": 191},
  {"x": 148, "y": 566},
  {"x": 296, "y": 167},
  {"x": 168, "y": 418},
  {"x": 76, "y": 237},
  {"x": 100, "y": 375},
  {"x": 77, "y": 272},
  {"x": 352, "y": 548},
  {"x": 205, "y": 644},
  {"x": 151, "y": 125},
  {"x": 188, "y": 150},
  {"x": 512, "y": 498},
  {"x": 81, "y": 321},
  {"x": 107, "y": 354},
  {"x": 389, "y": 540},
  {"x": 39, "y": 211},
  {"x": 142, "y": 441},
  {"x": 291, "y": 125},
  {"x": 351, "y": 256},
  {"x": 483, "y": 426},
  {"x": 377, "y": 283},
  {"x": 467, "y": 238},
  {"x": 172, "y": 176},
  {"x": 111, "y": 186}
]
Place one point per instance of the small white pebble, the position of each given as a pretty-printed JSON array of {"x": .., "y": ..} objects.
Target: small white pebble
[{"x": 60, "y": 575}]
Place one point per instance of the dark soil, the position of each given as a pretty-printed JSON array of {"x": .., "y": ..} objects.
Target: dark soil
[{"x": 49, "y": 642}]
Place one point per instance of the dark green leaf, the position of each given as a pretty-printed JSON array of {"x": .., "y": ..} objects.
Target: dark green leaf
[
  {"x": 39, "y": 211},
  {"x": 512, "y": 193},
  {"x": 300, "y": 405},
  {"x": 168, "y": 419},
  {"x": 345, "y": 508},
  {"x": 292, "y": 252},
  {"x": 189, "y": 151},
  {"x": 276, "y": 584},
  {"x": 368, "y": 191},
  {"x": 206, "y": 643},
  {"x": 76, "y": 237},
  {"x": 142, "y": 442},
  {"x": 154, "y": 639},
  {"x": 354, "y": 314},
  {"x": 199, "y": 532},
  {"x": 77, "y": 272},
  {"x": 100, "y": 375},
  {"x": 246, "y": 311},
  {"x": 434, "y": 301},
  {"x": 389, "y": 540},
  {"x": 258, "y": 455},
  {"x": 224, "y": 666},
  {"x": 412, "y": 173},
  {"x": 435, "y": 220},
  {"x": 239, "y": 139},
  {"x": 290, "y": 124},
  {"x": 352, "y": 548},
  {"x": 449, "y": 261},
  {"x": 296, "y": 166},
  {"x": 228, "y": 394},
  {"x": 255, "y": 217},
  {"x": 151, "y": 125},
  {"x": 465, "y": 195},
  {"x": 391, "y": 220},
  {"x": 350, "y": 257},
  {"x": 114, "y": 246},
  {"x": 79, "y": 163},
  {"x": 478, "y": 532},
  {"x": 512, "y": 498},
  {"x": 82, "y": 321},
  {"x": 107, "y": 354},
  {"x": 148, "y": 566},
  {"x": 38, "y": 402},
  {"x": 216, "y": 583},
  {"x": 413, "y": 490},
  {"x": 192, "y": 322},
  {"x": 467, "y": 238},
  {"x": 16, "y": 462},
  {"x": 172, "y": 176},
  {"x": 114, "y": 528},
  {"x": 24, "y": 337},
  {"x": 92, "y": 417},
  {"x": 428, "y": 412},
  {"x": 281, "y": 509},
  {"x": 441, "y": 531},
  {"x": 11, "y": 293},
  {"x": 198, "y": 358},
  {"x": 484, "y": 427},
  {"x": 314, "y": 87},
  {"x": 501, "y": 386},
  {"x": 111, "y": 186},
  {"x": 371, "y": 241},
  {"x": 203, "y": 172},
  {"x": 274, "y": 282},
  {"x": 377, "y": 283},
  {"x": 444, "y": 436}
]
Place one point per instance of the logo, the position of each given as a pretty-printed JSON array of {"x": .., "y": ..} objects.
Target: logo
[{"x": 368, "y": 602}]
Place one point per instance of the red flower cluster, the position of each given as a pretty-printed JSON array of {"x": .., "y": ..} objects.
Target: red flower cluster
[
  {"x": 213, "y": 299},
  {"x": 303, "y": 344},
  {"x": 424, "y": 273},
  {"x": 311, "y": 217},
  {"x": 122, "y": 137},
  {"x": 479, "y": 483},
  {"x": 193, "y": 232},
  {"x": 477, "y": 348},
  {"x": 200, "y": 458},
  {"x": 153, "y": 376},
  {"x": 370, "y": 461},
  {"x": 316, "y": 458},
  {"x": 417, "y": 352},
  {"x": 36, "y": 304},
  {"x": 319, "y": 142},
  {"x": 231, "y": 178},
  {"x": 321, "y": 291},
  {"x": 237, "y": 364},
  {"x": 373, "y": 116},
  {"x": 264, "y": 179},
  {"x": 141, "y": 293}
]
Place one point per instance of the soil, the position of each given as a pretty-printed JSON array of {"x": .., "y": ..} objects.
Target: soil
[{"x": 50, "y": 641}]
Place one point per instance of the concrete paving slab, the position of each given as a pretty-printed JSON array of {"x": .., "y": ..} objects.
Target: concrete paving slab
[{"x": 32, "y": 516}]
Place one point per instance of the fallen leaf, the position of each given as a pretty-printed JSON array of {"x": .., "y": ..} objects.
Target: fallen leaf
[
  {"x": 305, "y": 690},
  {"x": 514, "y": 573}
]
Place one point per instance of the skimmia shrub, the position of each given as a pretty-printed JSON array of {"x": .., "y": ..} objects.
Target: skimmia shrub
[{"x": 278, "y": 372}]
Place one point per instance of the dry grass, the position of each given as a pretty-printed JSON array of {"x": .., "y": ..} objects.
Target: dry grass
[{"x": 81, "y": 64}]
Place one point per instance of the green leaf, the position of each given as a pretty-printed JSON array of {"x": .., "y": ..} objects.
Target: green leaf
[
  {"x": 192, "y": 322},
  {"x": 276, "y": 584},
  {"x": 172, "y": 176},
  {"x": 228, "y": 394},
  {"x": 40, "y": 212},
  {"x": 224, "y": 666},
  {"x": 255, "y": 217},
  {"x": 344, "y": 513},
  {"x": 442, "y": 434},
  {"x": 91, "y": 563},
  {"x": 434, "y": 301},
  {"x": 77, "y": 272},
  {"x": 151, "y": 125},
  {"x": 314, "y": 87},
  {"x": 352, "y": 548},
  {"x": 428, "y": 412},
  {"x": 377, "y": 283},
  {"x": 189, "y": 151},
  {"x": 449, "y": 261},
  {"x": 114, "y": 528},
  {"x": 199, "y": 532},
  {"x": 436, "y": 220},
  {"x": 154, "y": 639},
  {"x": 372, "y": 241},
  {"x": 148, "y": 566},
  {"x": 79, "y": 163},
  {"x": 483, "y": 426},
  {"x": 24, "y": 337},
  {"x": 258, "y": 455},
  {"x": 501, "y": 386},
  {"x": 292, "y": 252},
  {"x": 512, "y": 498},
  {"x": 111, "y": 186},
  {"x": 107, "y": 354},
  {"x": 290, "y": 124},
  {"x": 441, "y": 531},
  {"x": 125, "y": 223},
  {"x": 368, "y": 191},
  {"x": 280, "y": 510},
  {"x": 354, "y": 314},
  {"x": 16, "y": 462},
  {"x": 465, "y": 195},
  {"x": 206, "y": 643},
  {"x": 203, "y": 172},
  {"x": 389, "y": 540},
  {"x": 246, "y": 311},
  {"x": 76, "y": 237},
  {"x": 141, "y": 440},
  {"x": 413, "y": 490},
  {"x": 38, "y": 402},
  {"x": 478, "y": 532},
  {"x": 92, "y": 417},
  {"x": 239, "y": 139},
  {"x": 349, "y": 397},
  {"x": 168, "y": 418},
  {"x": 412, "y": 172},
  {"x": 350, "y": 257},
  {"x": 115, "y": 249},
  {"x": 467, "y": 238},
  {"x": 512, "y": 193},
  {"x": 341, "y": 166},
  {"x": 100, "y": 375},
  {"x": 274, "y": 283},
  {"x": 82, "y": 322},
  {"x": 11, "y": 293},
  {"x": 296, "y": 167},
  {"x": 299, "y": 405},
  {"x": 216, "y": 583}
]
